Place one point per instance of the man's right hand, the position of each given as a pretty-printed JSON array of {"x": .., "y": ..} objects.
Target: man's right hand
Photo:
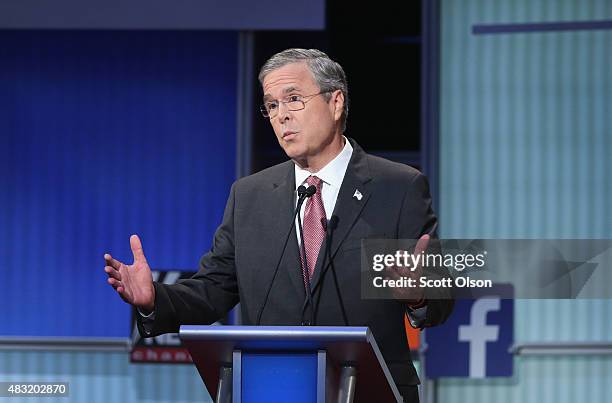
[{"x": 133, "y": 283}]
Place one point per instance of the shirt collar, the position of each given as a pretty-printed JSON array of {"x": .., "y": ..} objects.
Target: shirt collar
[{"x": 333, "y": 172}]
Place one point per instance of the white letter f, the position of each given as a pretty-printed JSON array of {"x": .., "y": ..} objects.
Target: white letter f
[{"x": 477, "y": 333}]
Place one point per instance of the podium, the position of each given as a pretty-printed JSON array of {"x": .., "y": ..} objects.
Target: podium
[{"x": 269, "y": 364}]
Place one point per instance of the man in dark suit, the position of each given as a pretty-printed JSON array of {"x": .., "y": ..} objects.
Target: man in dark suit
[{"x": 257, "y": 257}]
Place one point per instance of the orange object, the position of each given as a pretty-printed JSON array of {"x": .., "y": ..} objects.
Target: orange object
[{"x": 413, "y": 335}]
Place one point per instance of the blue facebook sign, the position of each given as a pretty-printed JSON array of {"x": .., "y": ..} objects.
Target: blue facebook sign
[{"x": 475, "y": 341}]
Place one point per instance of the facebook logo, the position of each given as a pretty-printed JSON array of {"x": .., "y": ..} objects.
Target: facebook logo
[
  {"x": 475, "y": 341},
  {"x": 478, "y": 333}
]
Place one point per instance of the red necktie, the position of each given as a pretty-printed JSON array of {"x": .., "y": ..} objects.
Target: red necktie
[{"x": 314, "y": 233}]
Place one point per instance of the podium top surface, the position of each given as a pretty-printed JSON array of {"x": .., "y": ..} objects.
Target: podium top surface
[{"x": 297, "y": 334}]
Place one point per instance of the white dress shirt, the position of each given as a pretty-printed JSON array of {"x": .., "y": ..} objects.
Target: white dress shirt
[{"x": 331, "y": 176}]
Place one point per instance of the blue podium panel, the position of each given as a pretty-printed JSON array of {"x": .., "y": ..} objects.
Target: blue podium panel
[{"x": 279, "y": 377}]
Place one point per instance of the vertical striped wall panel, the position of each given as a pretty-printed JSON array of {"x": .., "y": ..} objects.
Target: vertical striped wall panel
[
  {"x": 538, "y": 380},
  {"x": 526, "y": 152},
  {"x": 526, "y": 124},
  {"x": 101, "y": 377}
]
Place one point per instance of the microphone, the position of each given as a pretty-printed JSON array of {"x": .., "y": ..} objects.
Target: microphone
[
  {"x": 303, "y": 194},
  {"x": 333, "y": 223},
  {"x": 304, "y": 191},
  {"x": 301, "y": 191},
  {"x": 308, "y": 192},
  {"x": 329, "y": 227}
]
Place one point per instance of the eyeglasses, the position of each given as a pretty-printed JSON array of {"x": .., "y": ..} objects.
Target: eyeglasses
[{"x": 292, "y": 102}]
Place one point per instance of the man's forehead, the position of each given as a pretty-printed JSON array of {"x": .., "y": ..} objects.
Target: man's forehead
[
  {"x": 284, "y": 91},
  {"x": 289, "y": 78}
]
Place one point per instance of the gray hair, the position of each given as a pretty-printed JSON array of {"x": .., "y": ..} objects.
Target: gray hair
[{"x": 328, "y": 74}]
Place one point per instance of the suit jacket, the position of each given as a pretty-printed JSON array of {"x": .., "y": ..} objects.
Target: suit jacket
[{"x": 248, "y": 245}]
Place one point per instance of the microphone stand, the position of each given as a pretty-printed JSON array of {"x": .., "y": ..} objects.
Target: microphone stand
[
  {"x": 329, "y": 227},
  {"x": 303, "y": 193},
  {"x": 305, "y": 271}
]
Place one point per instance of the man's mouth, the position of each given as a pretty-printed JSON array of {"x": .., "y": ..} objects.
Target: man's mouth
[{"x": 288, "y": 134}]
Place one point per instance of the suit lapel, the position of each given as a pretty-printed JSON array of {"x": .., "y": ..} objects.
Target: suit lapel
[{"x": 349, "y": 204}]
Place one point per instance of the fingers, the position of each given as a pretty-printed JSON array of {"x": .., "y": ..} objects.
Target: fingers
[
  {"x": 120, "y": 288},
  {"x": 110, "y": 261},
  {"x": 112, "y": 273},
  {"x": 392, "y": 273},
  {"x": 137, "y": 251},
  {"x": 115, "y": 283},
  {"x": 411, "y": 292}
]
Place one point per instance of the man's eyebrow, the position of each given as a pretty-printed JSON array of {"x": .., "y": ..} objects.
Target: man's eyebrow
[
  {"x": 290, "y": 89},
  {"x": 287, "y": 90}
]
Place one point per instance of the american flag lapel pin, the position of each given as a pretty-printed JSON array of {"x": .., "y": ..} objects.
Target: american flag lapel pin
[{"x": 357, "y": 195}]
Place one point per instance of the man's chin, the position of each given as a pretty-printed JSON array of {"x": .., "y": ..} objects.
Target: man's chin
[{"x": 293, "y": 150}]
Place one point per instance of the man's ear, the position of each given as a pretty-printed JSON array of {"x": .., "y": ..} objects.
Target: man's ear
[{"x": 338, "y": 100}]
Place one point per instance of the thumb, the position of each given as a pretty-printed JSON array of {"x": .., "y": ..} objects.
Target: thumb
[
  {"x": 421, "y": 245},
  {"x": 137, "y": 249}
]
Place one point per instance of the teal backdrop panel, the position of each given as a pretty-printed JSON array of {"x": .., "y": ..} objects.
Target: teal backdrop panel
[{"x": 526, "y": 152}]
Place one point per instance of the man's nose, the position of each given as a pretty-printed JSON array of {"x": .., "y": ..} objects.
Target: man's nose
[{"x": 283, "y": 112}]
